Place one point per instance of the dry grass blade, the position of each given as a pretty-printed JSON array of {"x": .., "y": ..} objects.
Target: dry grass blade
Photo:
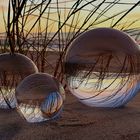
[{"x": 126, "y": 14}]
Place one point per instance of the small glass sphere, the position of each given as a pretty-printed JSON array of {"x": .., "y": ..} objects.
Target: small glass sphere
[
  {"x": 40, "y": 98},
  {"x": 13, "y": 68},
  {"x": 101, "y": 68}
]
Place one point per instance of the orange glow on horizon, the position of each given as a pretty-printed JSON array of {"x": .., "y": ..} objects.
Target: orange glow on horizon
[{"x": 130, "y": 18}]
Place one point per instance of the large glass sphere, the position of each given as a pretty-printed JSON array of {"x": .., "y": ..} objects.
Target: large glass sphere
[
  {"x": 101, "y": 68},
  {"x": 13, "y": 68},
  {"x": 40, "y": 98}
]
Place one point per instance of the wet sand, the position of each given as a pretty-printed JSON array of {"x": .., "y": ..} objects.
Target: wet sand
[{"x": 77, "y": 122}]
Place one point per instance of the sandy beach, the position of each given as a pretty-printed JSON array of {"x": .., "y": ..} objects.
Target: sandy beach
[
  {"x": 91, "y": 47},
  {"x": 77, "y": 122}
]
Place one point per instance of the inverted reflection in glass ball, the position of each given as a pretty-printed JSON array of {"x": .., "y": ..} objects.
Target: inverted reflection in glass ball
[
  {"x": 108, "y": 92},
  {"x": 7, "y": 98},
  {"x": 49, "y": 109},
  {"x": 52, "y": 105},
  {"x": 39, "y": 98},
  {"x": 13, "y": 68},
  {"x": 102, "y": 68}
]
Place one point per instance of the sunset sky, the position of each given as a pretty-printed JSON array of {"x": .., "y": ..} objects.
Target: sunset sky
[{"x": 134, "y": 15}]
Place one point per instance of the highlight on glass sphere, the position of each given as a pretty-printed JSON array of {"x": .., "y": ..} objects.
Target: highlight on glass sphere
[
  {"x": 101, "y": 68},
  {"x": 13, "y": 68},
  {"x": 40, "y": 98}
]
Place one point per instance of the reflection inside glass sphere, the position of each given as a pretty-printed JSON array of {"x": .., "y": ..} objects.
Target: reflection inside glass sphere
[
  {"x": 108, "y": 90},
  {"x": 8, "y": 83},
  {"x": 49, "y": 109},
  {"x": 13, "y": 68},
  {"x": 52, "y": 105},
  {"x": 102, "y": 68},
  {"x": 7, "y": 98}
]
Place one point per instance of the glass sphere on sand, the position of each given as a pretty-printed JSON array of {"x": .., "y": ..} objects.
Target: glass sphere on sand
[
  {"x": 40, "y": 98},
  {"x": 102, "y": 68},
  {"x": 13, "y": 68}
]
